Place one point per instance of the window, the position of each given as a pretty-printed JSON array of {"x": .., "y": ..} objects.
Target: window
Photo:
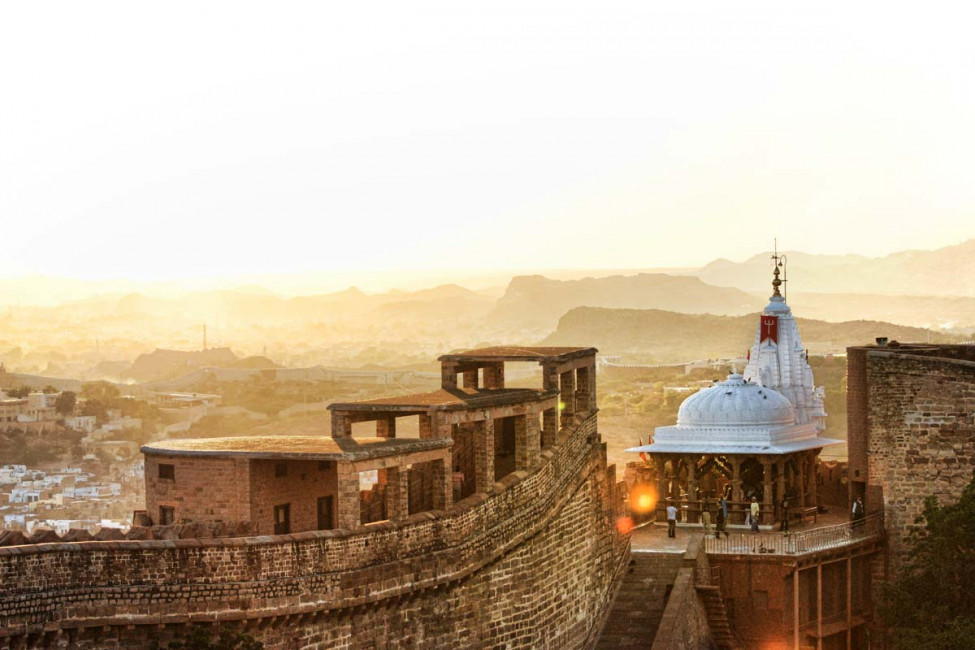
[
  {"x": 282, "y": 519},
  {"x": 280, "y": 470},
  {"x": 167, "y": 472},
  {"x": 325, "y": 513},
  {"x": 167, "y": 515}
]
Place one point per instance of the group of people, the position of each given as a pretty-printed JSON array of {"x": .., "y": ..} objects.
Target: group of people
[{"x": 721, "y": 517}]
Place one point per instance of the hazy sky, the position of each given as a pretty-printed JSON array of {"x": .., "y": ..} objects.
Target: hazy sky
[{"x": 167, "y": 140}]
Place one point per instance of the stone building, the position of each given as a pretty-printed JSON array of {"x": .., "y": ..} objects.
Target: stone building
[{"x": 496, "y": 527}]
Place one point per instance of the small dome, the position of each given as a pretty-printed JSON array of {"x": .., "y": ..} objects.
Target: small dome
[{"x": 736, "y": 402}]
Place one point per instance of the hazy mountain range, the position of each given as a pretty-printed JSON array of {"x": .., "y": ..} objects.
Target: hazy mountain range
[
  {"x": 666, "y": 337},
  {"x": 101, "y": 335}
]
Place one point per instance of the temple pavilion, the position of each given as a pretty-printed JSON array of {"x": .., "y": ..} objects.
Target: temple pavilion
[{"x": 753, "y": 435}]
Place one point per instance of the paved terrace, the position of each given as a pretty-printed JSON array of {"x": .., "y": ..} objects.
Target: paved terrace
[{"x": 831, "y": 531}]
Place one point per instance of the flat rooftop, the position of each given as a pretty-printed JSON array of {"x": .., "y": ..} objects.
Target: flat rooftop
[
  {"x": 295, "y": 447},
  {"x": 511, "y": 353},
  {"x": 446, "y": 399}
]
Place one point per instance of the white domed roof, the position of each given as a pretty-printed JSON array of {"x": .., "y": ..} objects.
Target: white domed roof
[{"x": 735, "y": 402}]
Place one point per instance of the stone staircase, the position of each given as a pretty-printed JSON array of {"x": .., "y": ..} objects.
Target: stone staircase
[
  {"x": 640, "y": 602},
  {"x": 721, "y": 632}
]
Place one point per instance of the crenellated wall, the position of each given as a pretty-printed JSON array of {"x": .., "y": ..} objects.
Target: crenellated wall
[{"x": 533, "y": 564}]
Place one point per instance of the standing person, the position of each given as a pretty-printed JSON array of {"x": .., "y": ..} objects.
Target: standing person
[
  {"x": 858, "y": 512},
  {"x": 719, "y": 527},
  {"x": 706, "y": 517},
  {"x": 753, "y": 512},
  {"x": 724, "y": 505},
  {"x": 784, "y": 524},
  {"x": 671, "y": 521}
]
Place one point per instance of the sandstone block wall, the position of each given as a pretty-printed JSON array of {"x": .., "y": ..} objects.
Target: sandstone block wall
[
  {"x": 914, "y": 411},
  {"x": 533, "y": 564}
]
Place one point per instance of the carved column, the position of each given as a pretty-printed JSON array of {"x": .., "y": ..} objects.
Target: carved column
[
  {"x": 736, "y": 494},
  {"x": 691, "y": 462},
  {"x": 660, "y": 463},
  {"x": 801, "y": 464},
  {"x": 813, "y": 479},
  {"x": 767, "y": 507},
  {"x": 782, "y": 463}
]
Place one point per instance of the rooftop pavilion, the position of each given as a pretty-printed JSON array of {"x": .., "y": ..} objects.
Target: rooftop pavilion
[{"x": 473, "y": 432}]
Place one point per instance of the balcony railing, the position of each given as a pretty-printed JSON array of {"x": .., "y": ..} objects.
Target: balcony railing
[{"x": 807, "y": 541}]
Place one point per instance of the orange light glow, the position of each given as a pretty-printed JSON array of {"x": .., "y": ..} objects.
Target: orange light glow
[
  {"x": 624, "y": 525},
  {"x": 642, "y": 500}
]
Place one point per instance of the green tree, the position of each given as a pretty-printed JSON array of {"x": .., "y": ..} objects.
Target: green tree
[
  {"x": 930, "y": 606},
  {"x": 65, "y": 402},
  {"x": 102, "y": 391},
  {"x": 49, "y": 389},
  {"x": 201, "y": 638},
  {"x": 19, "y": 393}
]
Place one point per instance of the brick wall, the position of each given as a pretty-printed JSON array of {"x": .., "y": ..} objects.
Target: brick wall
[
  {"x": 304, "y": 482},
  {"x": 222, "y": 490},
  {"x": 532, "y": 564},
  {"x": 920, "y": 421}
]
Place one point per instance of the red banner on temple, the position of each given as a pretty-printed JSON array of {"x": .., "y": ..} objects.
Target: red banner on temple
[{"x": 770, "y": 328}]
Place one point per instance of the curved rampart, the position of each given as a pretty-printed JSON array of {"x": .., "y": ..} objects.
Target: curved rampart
[{"x": 531, "y": 564}]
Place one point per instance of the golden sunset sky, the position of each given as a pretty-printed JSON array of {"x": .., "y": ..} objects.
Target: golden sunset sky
[{"x": 179, "y": 140}]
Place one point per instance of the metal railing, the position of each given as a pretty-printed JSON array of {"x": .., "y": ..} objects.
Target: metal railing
[{"x": 807, "y": 541}]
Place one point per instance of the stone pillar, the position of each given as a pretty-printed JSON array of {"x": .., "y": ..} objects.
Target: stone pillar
[
  {"x": 470, "y": 378},
  {"x": 567, "y": 388},
  {"x": 443, "y": 495},
  {"x": 386, "y": 427},
  {"x": 691, "y": 462},
  {"x": 550, "y": 427},
  {"x": 484, "y": 456},
  {"x": 527, "y": 441},
  {"x": 397, "y": 492},
  {"x": 550, "y": 377},
  {"x": 813, "y": 479},
  {"x": 781, "y": 464},
  {"x": 448, "y": 375},
  {"x": 660, "y": 463},
  {"x": 426, "y": 426},
  {"x": 736, "y": 494},
  {"x": 582, "y": 390},
  {"x": 494, "y": 375},
  {"x": 347, "y": 499},
  {"x": 341, "y": 425},
  {"x": 767, "y": 506},
  {"x": 802, "y": 461}
]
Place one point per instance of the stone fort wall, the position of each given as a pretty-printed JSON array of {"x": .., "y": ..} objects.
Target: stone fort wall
[
  {"x": 911, "y": 430},
  {"x": 533, "y": 564}
]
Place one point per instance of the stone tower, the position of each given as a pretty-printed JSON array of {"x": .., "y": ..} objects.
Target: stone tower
[{"x": 778, "y": 359}]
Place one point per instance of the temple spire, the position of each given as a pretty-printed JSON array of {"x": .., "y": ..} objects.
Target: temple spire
[{"x": 778, "y": 262}]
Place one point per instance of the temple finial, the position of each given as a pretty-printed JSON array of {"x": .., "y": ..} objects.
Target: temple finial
[{"x": 777, "y": 261}]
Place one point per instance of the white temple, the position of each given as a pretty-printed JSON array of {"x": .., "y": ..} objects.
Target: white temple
[
  {"x": 778, "y": 359},
  {"x": 754, "y": 435}
]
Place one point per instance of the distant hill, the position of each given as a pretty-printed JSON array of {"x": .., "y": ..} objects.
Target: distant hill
[
  {"x": 166, "y": 364},
  {"x": 667, "y": 337},
  {"x": 536, "y": 301},
  {"x": 942, "y": 272}
]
